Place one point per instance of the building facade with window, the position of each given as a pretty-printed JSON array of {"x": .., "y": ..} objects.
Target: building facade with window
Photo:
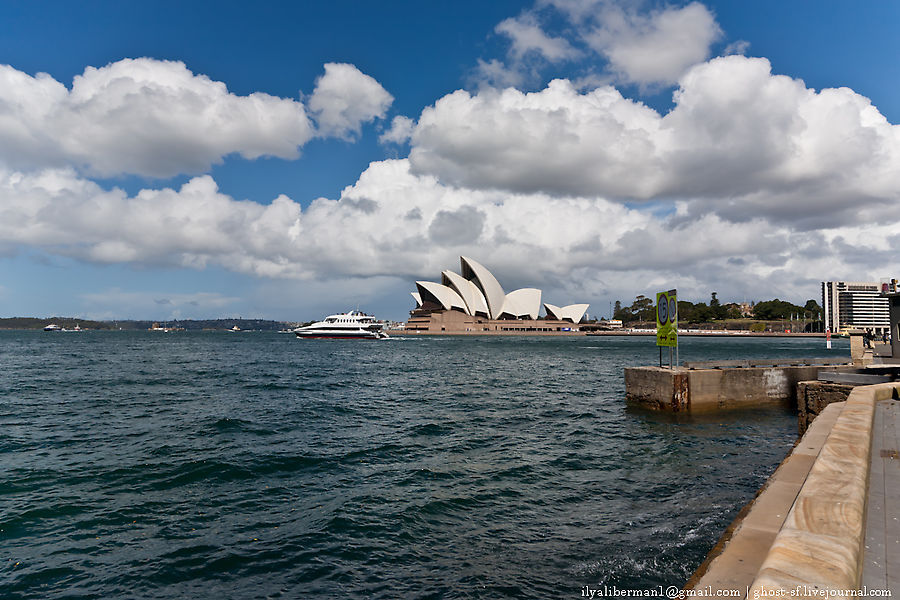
[{"x": 855, "y": 305}]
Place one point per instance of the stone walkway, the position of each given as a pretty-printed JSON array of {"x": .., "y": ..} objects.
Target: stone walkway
[
  {"x": 810, "y": 520},
  {"x": 881, "y": 561}
]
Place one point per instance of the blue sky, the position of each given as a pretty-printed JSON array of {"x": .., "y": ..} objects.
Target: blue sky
[{"x": 683, "y": 145}]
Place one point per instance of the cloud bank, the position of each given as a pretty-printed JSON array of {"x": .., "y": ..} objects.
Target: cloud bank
[{"x": 393, "y": 223}]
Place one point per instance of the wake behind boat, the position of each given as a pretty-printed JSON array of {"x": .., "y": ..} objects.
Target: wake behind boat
[{"x": 351, "y": 325}]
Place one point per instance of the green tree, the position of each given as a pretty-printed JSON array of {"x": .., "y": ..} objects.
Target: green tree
[
  {"x": 775, "y": 309},
  {"x": 812, "y": 306},
  {"x": 703, "y": 313},
  {"x": 716, "y": 310},
  {"x": 732, "y": 311},
  {"x": 642, "y": 309},
  {"x": 685, "y": 311}
]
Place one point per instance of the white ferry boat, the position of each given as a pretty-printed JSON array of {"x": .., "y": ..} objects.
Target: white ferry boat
[{"x": 351, "y": 325}]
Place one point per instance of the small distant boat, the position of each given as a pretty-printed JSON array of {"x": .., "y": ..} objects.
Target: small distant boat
[
  {"x": 52, "y": 327},
  {"x": 235, "y": 329},
  {"x": 353, "y": 325}
]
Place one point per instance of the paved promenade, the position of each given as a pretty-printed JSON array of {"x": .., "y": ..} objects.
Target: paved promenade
[{"x": 881, "y": 566}]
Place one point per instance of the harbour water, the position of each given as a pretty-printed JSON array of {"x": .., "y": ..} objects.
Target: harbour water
[{"x": 257, "y": 465}]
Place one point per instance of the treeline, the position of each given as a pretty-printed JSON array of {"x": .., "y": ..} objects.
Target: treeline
[
  {"x": 132, "y": 325},
  {"x": 201, "y": 324},
  {"x": 64, "y": 322},
  {"x": 644, "y": 309}
]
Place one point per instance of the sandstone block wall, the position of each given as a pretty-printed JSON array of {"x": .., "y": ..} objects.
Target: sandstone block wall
[{"x": 814, "y": 396}]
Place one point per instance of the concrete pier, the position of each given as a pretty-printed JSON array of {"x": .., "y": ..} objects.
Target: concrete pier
[{"x": 708, "y": 386}]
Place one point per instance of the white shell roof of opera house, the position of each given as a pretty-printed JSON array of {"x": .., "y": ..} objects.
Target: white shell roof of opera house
[{"x": 477, "y": 292}]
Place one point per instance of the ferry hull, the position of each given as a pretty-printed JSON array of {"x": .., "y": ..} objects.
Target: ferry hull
[{"x": 340, "y": 336}]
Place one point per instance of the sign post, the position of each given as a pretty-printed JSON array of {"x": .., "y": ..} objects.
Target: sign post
[{"x": 667, "y": 323}]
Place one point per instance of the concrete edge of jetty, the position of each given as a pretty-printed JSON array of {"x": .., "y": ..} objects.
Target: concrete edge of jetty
[
  {"x": 708, "y": 386},
  {"x": 825, "y": 524}
]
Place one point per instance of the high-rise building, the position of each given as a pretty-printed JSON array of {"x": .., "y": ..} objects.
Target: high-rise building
[{"x": 855, "y": 305}]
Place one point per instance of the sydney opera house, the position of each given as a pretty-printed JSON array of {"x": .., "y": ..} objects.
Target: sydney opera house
[{"x": 473, "y": 301}]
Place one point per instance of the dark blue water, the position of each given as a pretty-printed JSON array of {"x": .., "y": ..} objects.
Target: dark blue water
[{"x": 255, "y": 465}]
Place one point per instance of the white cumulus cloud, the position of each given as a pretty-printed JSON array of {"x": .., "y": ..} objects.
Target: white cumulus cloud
[
  {"x": 656, "y": 48},
  {"x": 345, "y": 98},
  {"x": 527, "y": 36},
  {"x": 400, "y": 131},
  {"x": 140, "y": 116},
  {"x": 635, "y": 44},
  {"x": 496, "y": 73},
  {"x": 740, "y": 141},
  {"x": 556, "y": 141}
]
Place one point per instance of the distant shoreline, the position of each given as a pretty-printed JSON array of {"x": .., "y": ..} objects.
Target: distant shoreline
[
  {"x": 401, "y": 332},
  {"x": 37, "y": 324}
]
